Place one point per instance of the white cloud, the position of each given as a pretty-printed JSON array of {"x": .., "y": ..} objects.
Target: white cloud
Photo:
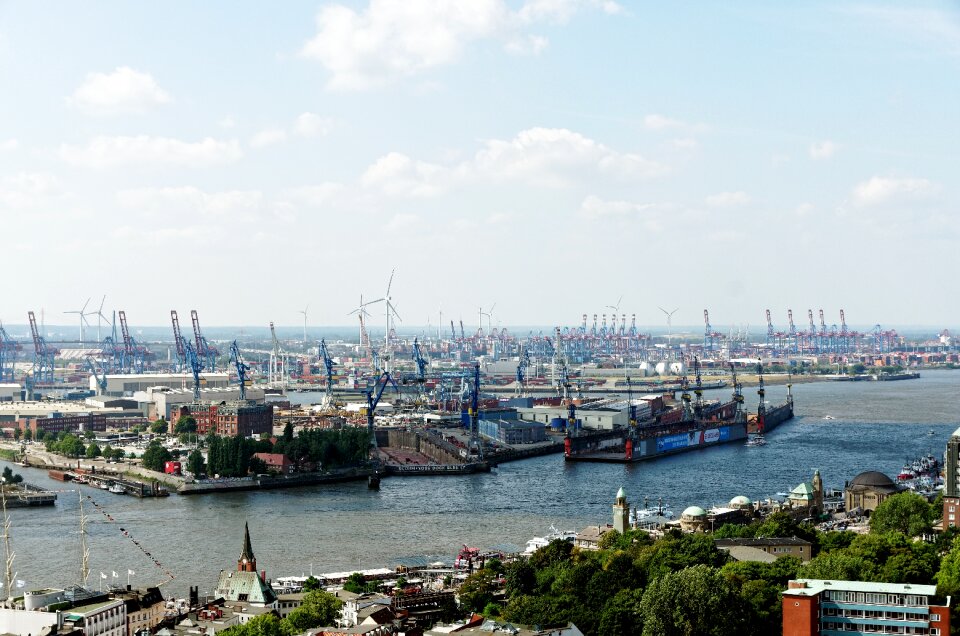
[
  {"x": 105, "y": 152},
  {"x": 685, "y": 144},
  {"x": 313, "y": 125},
  {"x": 728, "y": 199},
  {"x": 401, "y": 222},
  {"x": 195, "y": 205},
  {"x": 390, "y": 39},
  {"x": 662, "y": 122},
  {"x": 8, "y": 145},
  {"x": 880, "y": 190},
  {"x": 398, "y": 175},
  {"x": 316, "y": 196},
  {"x": 123, "y": 90},
  {"x": 268, "y": 137},
  {"x": 823, "y": 149},
  {"x": 554, "y": 156},
  {"x": 650, "y": 215},
  {"x": 28, "y": 189},
  {"x": 227, "y": 122}
]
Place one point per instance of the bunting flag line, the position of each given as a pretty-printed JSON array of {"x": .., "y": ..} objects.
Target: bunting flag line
[{"x": 127, "y": 535}]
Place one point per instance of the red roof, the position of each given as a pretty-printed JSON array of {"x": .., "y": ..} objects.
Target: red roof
[{"x": 273, "y": 459}]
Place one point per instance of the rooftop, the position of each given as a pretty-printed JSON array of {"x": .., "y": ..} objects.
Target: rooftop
[
  {"x": 762, "y": 541},
  {"x": 815, "y": 586}
]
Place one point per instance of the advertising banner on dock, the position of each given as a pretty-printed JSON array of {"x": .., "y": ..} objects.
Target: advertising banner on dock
[{"x": 693, "y": 438}]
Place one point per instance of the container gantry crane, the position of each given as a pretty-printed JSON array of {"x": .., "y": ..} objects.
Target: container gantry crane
[
  {"x": 203, "y": 348},
  {"x": 179, "y": 341},
  {"x": 196, "y": 366},
  {"x": 328, "y": 369},
  {"x": 8, "y": 355},
  {"x": 133, "y": 352},
  {"x": 43, "y": 355},
  {"x": 242, "y": 369}
]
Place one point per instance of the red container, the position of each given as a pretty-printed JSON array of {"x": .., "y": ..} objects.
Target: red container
[{"x": 172, "y": 468}]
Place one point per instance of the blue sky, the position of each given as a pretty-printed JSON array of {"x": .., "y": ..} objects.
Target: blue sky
[{"x": 549, "y": 156}]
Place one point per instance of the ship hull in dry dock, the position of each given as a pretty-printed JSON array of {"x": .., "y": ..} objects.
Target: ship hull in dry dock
[
  {"x": 618, "y": 448},
  {"x": 772, "y": 419}
]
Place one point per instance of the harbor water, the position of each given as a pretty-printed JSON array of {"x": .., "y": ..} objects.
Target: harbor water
[{"x": 875, "y": 426}]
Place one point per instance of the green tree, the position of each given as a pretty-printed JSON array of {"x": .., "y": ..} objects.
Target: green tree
[
  {"x": 16, "y": 434},
  {"x": 318, "y": 608},
  {"x": 905, "y": 512},
  {"x": 623, "y": 615},
  {"x": 28, "y": 435},
  {"x": 195, "y": 462},
  {"x": 477, "y": 590},
  {"x": 697, "y": 600},
  {"x": 838, "y": 565},
  {"x": 312, "y": 583},
  {"x": 156, "y": 456},
  {"x": 9, "y": 477},
  {"x": 185, "y": 424},
  {"x": 93, "y": 451},
  {"x": 948, "y": 577},
  {"x": 356, "y": 583},
  {"x": 159, "y": 427}
]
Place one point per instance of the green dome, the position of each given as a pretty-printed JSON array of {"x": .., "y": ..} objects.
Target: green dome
[
  {"x": 740, "y": 500},
  {"x": 621, "y": 494},
  {"x": 694, "y": 511}
]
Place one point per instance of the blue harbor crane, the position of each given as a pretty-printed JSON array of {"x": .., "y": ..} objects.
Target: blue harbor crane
[
  {"x": 421, "y": 363},
  {"x": 179, "y": 341},
  {"x": 373, "y": 399},
  {"x": 242, "y": 368},
  {"x": 133, "y": 352},
  {"x": 8, "y": 355},
  {"x": 522, "y": 366},
  {"x": 113, "y": 356},
  {"x": 328, "y": 369},
  {"x": 101, "y": 378},
  {"x": 475, "y": 413},
  {"x": 196, "y": 366},
  {"x": 43, "y": 355}
]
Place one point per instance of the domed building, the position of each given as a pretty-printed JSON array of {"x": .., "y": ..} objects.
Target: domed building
[
  {"x": 741, "y": 503},
  {"x": 693, "y": 519},
  {"x": 868, "y": 490}
]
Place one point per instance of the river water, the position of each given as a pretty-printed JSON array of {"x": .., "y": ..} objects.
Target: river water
[{"x": 877, "y": 426}]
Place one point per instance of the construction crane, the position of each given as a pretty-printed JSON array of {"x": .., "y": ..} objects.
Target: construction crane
[
  {"x": 373, "y": 399},
  {"x": 178, "y": 341},
  {"x": 237, "y": 360},
  {"x": 328, "y": 368},
  {"x": 698, "y": 388},
  {"x": 196, "y": 366},
  {"x": 43, "y": 354},
  {"x": 685, "y": 398},
  {"x": 739, "y": 415},
  {"x": 203, "y": 348}
]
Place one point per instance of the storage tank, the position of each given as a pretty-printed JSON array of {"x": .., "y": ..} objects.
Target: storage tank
[{"x": 677, "y": 368}]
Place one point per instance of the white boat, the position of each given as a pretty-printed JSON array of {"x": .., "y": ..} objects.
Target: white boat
[
  {"x": 756, "y": 440},
  {"x": 536, "y": 543},
  {"x": 117, "y": 489},
  {"x": 829, "y": 417}
]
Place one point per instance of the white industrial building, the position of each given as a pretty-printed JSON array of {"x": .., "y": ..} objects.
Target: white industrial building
[
  {"x": 163, "y": 402},
  {"x": 10, "y": 392},
  {"x": 13, "y": 411},
  {"x": 602, "y": 415},
  {"x": 127, "y": 384}
]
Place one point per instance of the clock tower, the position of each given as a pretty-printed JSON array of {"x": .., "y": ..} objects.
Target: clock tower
[{"x": 247, "y": 561}]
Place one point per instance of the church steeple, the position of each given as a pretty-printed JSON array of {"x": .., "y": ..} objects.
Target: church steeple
[{"x": 247, "y": 561}]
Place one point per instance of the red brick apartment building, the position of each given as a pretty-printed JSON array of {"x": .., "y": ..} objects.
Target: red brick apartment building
[{"x": 813, "y": 607}]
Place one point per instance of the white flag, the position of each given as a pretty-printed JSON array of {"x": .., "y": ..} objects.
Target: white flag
[
  {"x": 130, "y": 572},
  {"x": 115, "y": 575},
  {"x": 102, "y": 575},
  {"x": 21, "y": 583}
]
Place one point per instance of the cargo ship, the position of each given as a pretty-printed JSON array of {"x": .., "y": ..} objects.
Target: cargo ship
[{"x": 677, "y": 429}]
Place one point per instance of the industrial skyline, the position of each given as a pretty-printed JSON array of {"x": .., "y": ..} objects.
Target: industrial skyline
[{"x": 542, "y": 157}]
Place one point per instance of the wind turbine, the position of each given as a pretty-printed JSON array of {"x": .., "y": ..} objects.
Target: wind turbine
[
  {"x": 669, "y": 315},
  {"x": 83, "y": 318},
  {"x": 489, "y": 315},
  {"x": 616, "y": 310},
  {"x": 100, "y": 317},
  {"x": 304, "y": 312}
]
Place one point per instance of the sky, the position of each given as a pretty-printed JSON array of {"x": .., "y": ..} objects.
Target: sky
[{"x": 544, "y": 158}]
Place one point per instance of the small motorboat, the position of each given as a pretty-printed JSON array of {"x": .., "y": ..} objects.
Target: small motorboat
[
  {"x": 829, "y": 417},
  {"x": 756, "y": 440},
  {"x": 117, "y": 489}
]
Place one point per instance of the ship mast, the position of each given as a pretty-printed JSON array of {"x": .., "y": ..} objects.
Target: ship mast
[
  {"x": 84, "y": 550},
  {"x": 8, "y": 553}
]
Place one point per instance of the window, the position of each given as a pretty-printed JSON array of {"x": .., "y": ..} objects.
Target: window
[
  {"x": 935, "y": 618},
  {"x": 934, "y": 631}
]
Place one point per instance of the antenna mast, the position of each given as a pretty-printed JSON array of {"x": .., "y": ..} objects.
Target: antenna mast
[
  {"x": 84, "y": 550},
  {"x": 8, "y": 561}
]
